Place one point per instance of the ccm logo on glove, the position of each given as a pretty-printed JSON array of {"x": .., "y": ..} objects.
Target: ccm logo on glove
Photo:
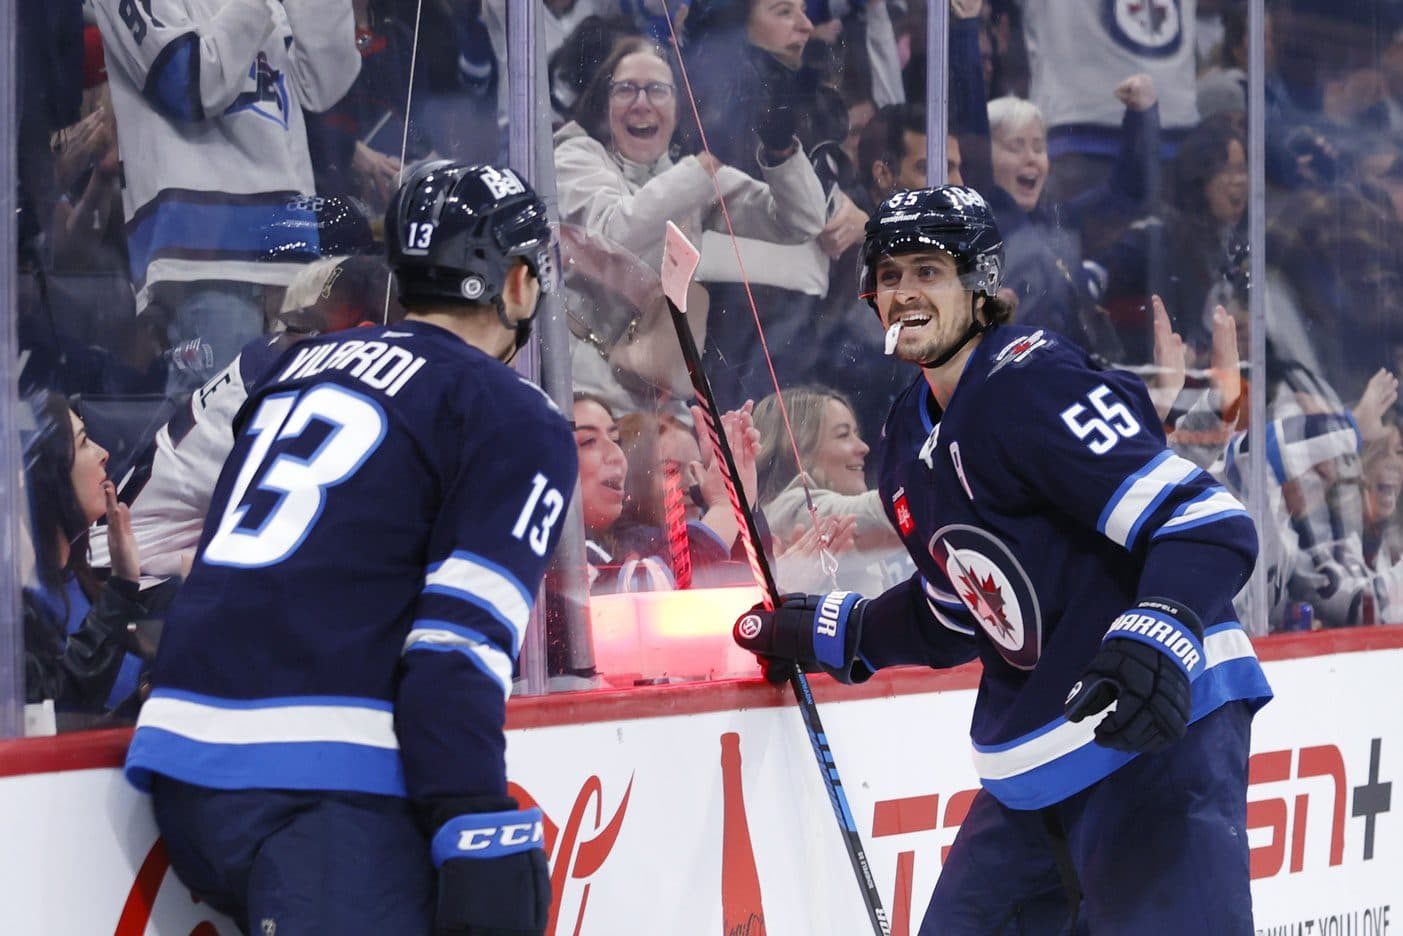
[{"x": 489, "y": 835}]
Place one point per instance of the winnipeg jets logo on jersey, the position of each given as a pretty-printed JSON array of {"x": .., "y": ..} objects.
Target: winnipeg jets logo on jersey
[
  {"x": 995, "y": 588},
  {"x": 1018, "y": 350},
  {"x": 268, "y": 99},
  {"x": 1147, "y": 27}
]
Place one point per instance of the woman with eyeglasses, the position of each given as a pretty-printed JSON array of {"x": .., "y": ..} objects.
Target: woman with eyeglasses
[{"x": 620, "y": 178}]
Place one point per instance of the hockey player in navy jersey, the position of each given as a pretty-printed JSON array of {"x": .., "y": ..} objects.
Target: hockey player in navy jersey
[
  {"x": 324, "y": 740},
  {"x": 1092, "y": 572}
]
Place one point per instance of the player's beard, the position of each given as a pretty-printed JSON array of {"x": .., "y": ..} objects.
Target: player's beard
[{"x": 926, "y": 342}]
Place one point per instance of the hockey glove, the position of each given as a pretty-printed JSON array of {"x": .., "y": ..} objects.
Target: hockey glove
[
  {"x": 812, "y": 631},
  {"x": 1146, "y": 666},
  {"x": 493, "y": 879}
]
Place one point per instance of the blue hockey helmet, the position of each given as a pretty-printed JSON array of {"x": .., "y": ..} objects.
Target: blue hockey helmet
[
  {"x": 453, "y": 230},
  {"x": 953, "y": 218}
]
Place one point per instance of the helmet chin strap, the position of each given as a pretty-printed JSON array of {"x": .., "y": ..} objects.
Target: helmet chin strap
[
  {"x": 521, "y": 328},
  {"x": 975, "y": 329}
]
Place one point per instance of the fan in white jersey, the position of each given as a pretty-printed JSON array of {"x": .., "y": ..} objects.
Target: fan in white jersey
[{"x": 170, "y": 494}]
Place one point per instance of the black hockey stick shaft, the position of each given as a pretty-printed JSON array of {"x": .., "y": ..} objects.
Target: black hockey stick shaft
[{"x": 764, "y": 577}]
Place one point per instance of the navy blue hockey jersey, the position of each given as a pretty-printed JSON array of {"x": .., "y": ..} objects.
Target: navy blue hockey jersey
[
  {"x": 1038, "y": 506},
  {"x": 364, "y": 579}
]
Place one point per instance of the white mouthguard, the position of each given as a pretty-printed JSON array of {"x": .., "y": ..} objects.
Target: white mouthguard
[{"x": 893, "y": 334}]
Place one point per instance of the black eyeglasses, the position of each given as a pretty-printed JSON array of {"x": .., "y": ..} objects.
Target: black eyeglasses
[{"x": 626, "y": 92}]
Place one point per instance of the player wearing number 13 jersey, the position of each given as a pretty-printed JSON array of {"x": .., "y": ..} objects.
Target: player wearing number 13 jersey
[
  {"x": 1089, "y": 568},
  {"x": 326, "y": 723}
]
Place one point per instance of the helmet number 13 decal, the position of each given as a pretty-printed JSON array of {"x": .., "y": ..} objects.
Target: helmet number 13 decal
[{"x": 420, "y": 235}]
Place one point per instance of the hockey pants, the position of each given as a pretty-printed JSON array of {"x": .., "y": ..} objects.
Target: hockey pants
[{"x": 1158, "y": 848}]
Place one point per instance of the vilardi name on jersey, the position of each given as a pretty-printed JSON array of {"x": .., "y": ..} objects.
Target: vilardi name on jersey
[
  {"x": 377, "y": 364},
  {"x": 1038, "y": 507}
]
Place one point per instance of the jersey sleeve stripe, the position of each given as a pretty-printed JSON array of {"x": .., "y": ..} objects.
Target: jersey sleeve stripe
[
  {"x": 443, "y": 632},
  {"x": 1274, "y": 459},
  {"x": 1310, "y": 440},
  {"x": 948, "y": 624},
  {"x": 495, "y": 664},
  {"x": 1210, "y": 507},
  {"x": 485, "y": 584},
  {"x": 941, "y": 596},
  {"x": 1140, "y": 494}
]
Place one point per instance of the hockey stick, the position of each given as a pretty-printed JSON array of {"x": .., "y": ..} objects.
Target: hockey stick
[{"x": 676, "y": 281}]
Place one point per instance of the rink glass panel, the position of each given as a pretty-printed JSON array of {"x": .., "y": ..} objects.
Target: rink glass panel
[{"x": 1082, "y": 259}]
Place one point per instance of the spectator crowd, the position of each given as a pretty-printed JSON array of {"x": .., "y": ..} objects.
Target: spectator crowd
[{"x": 202, "y": 182}]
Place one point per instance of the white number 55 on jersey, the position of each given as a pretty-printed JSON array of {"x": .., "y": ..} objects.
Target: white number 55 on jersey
[{"x": 1101, "y": 431}]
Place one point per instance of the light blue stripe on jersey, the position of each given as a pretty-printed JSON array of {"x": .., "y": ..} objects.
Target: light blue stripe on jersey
[
  {"x": 1140, "y": 494},
  {"x": 1274, "y": 459},
  {"x": 236, "y": 230},
  {"x": 1209, "y": 507},
  {"x": 175, "y": 85},
  {"x": 300, "y": 742},
  {"x": 936, "y": 597},
  {"x": 1061, "y": 758},
  {"x": 483, "y": 583},
  {"x": 941, "y": 596},
  {"x": 444, "y": 637}
]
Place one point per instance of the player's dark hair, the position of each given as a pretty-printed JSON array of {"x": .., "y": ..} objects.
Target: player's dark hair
[
  {"x": 775, "y": 466},
  {"x": 884, "y": 138},
  {"x": 56, "y": 516},
  {"x": 996, "y": 311},
  {"x": 592, "y": 109}
]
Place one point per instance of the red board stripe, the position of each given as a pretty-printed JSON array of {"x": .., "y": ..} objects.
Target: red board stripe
[{"x": 90, "y": 750}]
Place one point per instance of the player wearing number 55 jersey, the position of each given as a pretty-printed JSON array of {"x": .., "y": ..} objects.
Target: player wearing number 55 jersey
[
  {"x": 324, "y": 740},
  {"x": 1092, "y": 572}
]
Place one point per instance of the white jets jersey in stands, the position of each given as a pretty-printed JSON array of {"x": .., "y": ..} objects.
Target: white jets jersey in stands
[
  {"x": 174, "y": 488},
  {"x": 1079, "y": 51},
  {"x": 208, "y": 96}
]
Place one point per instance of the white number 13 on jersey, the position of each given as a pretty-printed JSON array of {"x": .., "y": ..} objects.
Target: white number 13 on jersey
[
  {"x": 265, "y": 525},
  {"x": 537, "y": 535},
  {"x": 1101, "y": 432}
]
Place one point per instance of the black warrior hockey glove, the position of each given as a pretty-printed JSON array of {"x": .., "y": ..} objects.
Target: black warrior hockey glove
[
  {"x": 814, "y": 631},
  {"x": 1146, "y": 666},
  {"x": 493, "y": 879}
]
